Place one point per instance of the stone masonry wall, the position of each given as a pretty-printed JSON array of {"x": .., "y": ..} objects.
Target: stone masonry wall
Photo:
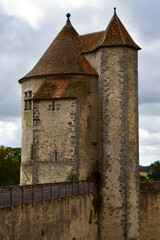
[
  {"x": 74, "y": 218},
  {"x": 60, "y": 139},
  {"x": 54, "y": 140},
  {"x": 27, "y": 132},
  {"x": 88, "y": 128},
  {"x": 65, "y": 219},
  {"x": 150, "y": 211},
  {"x": 119, "y": 103}
]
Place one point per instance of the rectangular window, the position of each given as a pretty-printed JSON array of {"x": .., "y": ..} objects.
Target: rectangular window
[{"x": 27, "y": 100}]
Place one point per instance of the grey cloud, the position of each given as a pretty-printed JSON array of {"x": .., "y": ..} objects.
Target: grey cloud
[
  {"x": 150, "y": 109},
  {"x": 149, "y": 76},
  {"x": 14, "y": 62},
  {"x": 148, "y": 156},
  {"x": 153, "y": 140},
  {"x": 150, "y": 123},
  {"x": 145, "y": 16}
]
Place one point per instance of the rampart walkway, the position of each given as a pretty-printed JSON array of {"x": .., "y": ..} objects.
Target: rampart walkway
[{"x": 20, "y": 195}]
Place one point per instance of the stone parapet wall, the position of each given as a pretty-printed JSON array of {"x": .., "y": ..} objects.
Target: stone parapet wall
[
  {"x": 150, "y": 210},
  {"x": 65, "y": 219}
]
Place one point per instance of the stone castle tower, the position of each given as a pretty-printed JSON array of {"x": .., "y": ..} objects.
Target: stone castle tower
[{"x": 80, "y": 111}]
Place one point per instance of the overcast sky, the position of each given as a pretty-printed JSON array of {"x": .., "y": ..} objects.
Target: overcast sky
[{"x": 27, "y": 27}]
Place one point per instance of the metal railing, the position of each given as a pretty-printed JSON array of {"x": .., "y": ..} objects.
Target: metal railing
[{"x": 20, "y": 195}]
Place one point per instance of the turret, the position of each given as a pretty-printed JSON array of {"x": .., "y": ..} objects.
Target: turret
[
  {"x": 115, "y": 60},
  {"x": 59, "y": 113}
]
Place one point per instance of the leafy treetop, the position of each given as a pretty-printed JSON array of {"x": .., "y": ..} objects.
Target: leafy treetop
[{"x": 9, "y": 166}]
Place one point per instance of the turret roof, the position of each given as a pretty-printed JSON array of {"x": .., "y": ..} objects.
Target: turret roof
[
  {"x": 114, "y": 35},
  {"x": 65, "y": 54}
]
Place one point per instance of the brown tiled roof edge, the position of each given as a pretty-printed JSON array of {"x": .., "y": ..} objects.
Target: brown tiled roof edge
[{"x": 64, "y": 56}]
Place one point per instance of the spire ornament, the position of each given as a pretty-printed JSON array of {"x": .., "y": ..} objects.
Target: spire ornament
[
  {"x": 115, "y": 11},
  {"x": 68, "y": 15}
]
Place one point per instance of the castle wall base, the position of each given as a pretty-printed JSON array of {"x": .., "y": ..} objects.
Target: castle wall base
[
  {"x": 150, "y": 210},
  {"x": 65, "y": 219}
]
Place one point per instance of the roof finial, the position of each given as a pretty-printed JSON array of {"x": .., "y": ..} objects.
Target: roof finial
[
  {"x": 115, "y": 11},
  {"x": 68, "y": 19}
]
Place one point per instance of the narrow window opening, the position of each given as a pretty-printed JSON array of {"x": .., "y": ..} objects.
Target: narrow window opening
[
  {"x": 53, "y": 105},
  {"x": 56, "y": 155},
  {"x": 25, "y": 105},
  {"x": 28, "y": 105},
  {"x": 27, "y": 100}
]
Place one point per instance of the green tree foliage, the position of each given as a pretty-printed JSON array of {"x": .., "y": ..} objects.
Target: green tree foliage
[
  {"x": 144, "y": 168},
  {"x": 16, "y": 152},
  {"x": 9, "y": 166},
  {"x": 143, "y": 178},
  {"x": 154, "y": 174}
]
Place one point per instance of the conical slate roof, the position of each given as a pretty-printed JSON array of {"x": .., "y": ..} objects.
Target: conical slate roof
[
  {"x": 114, "y": 35},
  {"x": 63, "y": 56},
  {"x": 117, "y": 35}
]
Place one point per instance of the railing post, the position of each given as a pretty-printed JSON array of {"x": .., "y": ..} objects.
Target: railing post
[
  {"x": 88, "y": 188},
  {"x": 65, "y": 190},
  {"x": 23, "y": 197},
  {"x": 59, "y": 192},
  {"x": 11, "y": 198},
  {"x": 83, "y": 188},
  {"x": 78, "y": 188},
  {"x": 72, "y": 190},
  {"x": 51, "y": 192},
  {"x": 94, "y": 188},
  {"x": 42, "y": 193},
  {"x": 33, "y": 195}
]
